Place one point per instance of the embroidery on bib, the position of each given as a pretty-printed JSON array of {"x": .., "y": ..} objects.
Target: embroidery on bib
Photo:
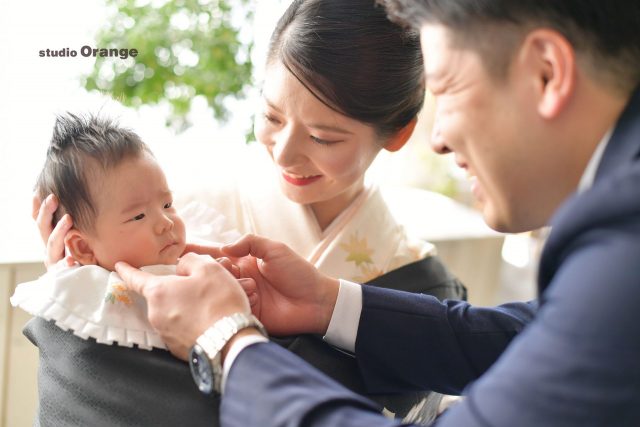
[{"x": 118, "y": 293}]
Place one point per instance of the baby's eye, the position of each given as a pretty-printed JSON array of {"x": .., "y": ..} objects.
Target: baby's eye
[
  {"x": 168, "y": 205},
  {"x": 138, "y": 217}
]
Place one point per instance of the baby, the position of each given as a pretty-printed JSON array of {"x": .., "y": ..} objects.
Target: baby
[{"x": 109, "y": 182}]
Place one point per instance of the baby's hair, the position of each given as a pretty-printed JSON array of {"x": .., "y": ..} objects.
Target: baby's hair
[{"x": 79, "y": 145}]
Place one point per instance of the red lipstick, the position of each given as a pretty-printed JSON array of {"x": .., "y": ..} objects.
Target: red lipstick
[{"x": 301, "y": 181}]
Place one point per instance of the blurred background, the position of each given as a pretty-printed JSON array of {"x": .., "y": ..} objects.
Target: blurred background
[{"x": 190, "y": 94}]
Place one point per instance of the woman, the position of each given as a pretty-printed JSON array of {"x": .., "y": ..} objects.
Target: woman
[{"x": 341, "y": 84}]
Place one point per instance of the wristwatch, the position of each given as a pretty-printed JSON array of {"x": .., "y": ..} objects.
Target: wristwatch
[{"x": 205, "y": 358}]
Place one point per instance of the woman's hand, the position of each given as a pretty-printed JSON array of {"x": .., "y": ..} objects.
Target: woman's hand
[
  {"x": 53, "y": 237},
  {"x": 291, "y": 295},
  {"x": 183, "y": 306}
]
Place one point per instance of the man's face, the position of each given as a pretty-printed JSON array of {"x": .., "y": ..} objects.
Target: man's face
[{"x": 494, "y": 131}]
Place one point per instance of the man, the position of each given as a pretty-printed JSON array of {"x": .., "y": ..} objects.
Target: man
[{"x": 537, "y": 100}]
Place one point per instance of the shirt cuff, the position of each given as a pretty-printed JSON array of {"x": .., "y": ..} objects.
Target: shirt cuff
[
  {"x": 343, "y": 326},
  {"x": 235, "y": 349}
]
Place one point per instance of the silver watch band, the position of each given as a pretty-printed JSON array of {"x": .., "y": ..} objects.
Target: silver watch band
[{"x": 213, "y": 340}]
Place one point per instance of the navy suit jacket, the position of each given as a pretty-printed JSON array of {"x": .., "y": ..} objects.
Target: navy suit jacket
[{"x": 570, "y": 359}]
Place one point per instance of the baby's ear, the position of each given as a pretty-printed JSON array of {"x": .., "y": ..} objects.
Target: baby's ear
[{"x": 80, "y": 247}]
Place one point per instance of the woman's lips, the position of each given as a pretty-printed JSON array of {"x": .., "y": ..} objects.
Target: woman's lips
[{"x": 300, "y": 181}]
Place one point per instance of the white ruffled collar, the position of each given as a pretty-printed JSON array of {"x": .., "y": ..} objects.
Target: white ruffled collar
[{"x": 93, "y": 303}]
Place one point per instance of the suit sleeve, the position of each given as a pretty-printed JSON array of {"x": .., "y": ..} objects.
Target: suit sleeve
[
  {"x": 576, "y": 364},
  {"x": 269, "y": 386},
  {"x": 412, "y": 342}
]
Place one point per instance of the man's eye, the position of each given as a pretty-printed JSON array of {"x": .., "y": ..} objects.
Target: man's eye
[
  {"x": 138, "y": 217},
  {"x": 168, "y": 205}
]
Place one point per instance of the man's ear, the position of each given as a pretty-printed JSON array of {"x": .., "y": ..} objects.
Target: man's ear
[
  {"x": 402, "y": 136},
  {"x": 553, "y": 62},
  {"x": 80, "y": 247}
]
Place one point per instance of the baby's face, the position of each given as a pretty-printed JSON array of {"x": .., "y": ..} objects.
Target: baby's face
[{"x": 136, "y": 221}]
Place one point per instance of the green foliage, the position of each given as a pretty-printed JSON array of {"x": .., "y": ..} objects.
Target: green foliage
[{"x": 186, "y": 48}]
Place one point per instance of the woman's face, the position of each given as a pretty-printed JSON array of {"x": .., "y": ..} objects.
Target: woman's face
[{"x": 321, "y": 155}]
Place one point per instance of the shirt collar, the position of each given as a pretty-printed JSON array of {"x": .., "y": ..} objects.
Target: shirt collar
[{"x": 589, "y": 174}]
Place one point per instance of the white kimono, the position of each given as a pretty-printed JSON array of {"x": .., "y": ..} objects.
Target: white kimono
[{"x": 362, "y": 243}]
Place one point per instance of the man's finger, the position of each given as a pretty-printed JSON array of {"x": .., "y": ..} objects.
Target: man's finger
[
  {"x": 250, "y": 244},
  {"x": 211, "y": 250},
  {"x": 136, "y": 280}
]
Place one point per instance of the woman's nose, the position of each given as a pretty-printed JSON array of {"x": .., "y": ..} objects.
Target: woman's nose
[
  {"x": 163, "y": 224},
  {"x": 285, "y": 150}
]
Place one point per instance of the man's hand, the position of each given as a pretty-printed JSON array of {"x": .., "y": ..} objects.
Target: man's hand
[
  {"x": 183, "y": 306},
  {"x": 53, "y": 237},
  {"x": 291, "y": 296}
]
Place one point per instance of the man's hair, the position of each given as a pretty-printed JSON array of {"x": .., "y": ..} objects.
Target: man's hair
[
  {"x": 605, "y": 32},
  {"x": 80, "y": 148}
]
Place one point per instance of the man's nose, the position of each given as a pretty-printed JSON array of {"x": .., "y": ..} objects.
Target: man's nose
[{"x": 438, "y": 143}]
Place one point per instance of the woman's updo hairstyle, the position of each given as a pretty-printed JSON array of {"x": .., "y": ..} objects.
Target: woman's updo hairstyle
[{"x": 353, "y": 59}]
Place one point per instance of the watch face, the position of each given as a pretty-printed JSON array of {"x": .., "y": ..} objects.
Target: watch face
[{"x": 201, "y": 369}]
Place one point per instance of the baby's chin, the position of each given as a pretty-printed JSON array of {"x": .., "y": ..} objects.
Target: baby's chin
[{"x": 171, "y": 255}]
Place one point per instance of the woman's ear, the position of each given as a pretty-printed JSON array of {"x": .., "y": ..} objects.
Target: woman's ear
[
  {"x": 80, "y": 248},
  {"x": 402, "y": 136}
]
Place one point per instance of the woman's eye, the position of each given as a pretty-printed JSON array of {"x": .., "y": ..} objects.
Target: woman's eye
[
  {"x": 138, "y": 217},
  {"x": 321, "y": 141},
  {"x": 271, "y": 119},
  {"x": 168, "y": 205}
]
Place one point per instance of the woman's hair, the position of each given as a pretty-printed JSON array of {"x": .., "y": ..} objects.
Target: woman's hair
[
  {"x": 79, "y": 146},
  {"x": 353, "y": 59}
]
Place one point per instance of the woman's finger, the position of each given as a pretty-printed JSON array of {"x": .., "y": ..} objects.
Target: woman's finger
[
  {"x": 225, "y": 262},
  {"x": 55, "y": 242},
  {"x": 44, "y": 217},
  {"x": 230, "y": 266},
  {"x": 36, "y": 203},
  {"x": 249, "y": 286},
  {"x": 70, "y": 261}
]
